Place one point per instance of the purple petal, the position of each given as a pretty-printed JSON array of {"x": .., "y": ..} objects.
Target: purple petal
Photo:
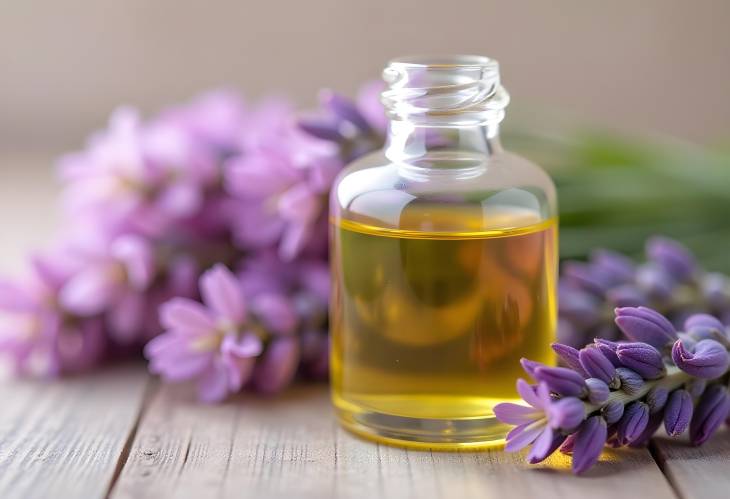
[
  {"x": 712, "y": 410},
  {"x": 515, "y": 414},
  {"x": 276, "y": 312},
  {"x": 237, "y": 358},
  {"x": 703, "y": 320},
  {"x": 541, "y": 450},
  {"x": 631, "y": 381},
  {"x": 597, "y": 365},
  {"x": 528, "y": 394},
  {"x": 569, "y": 355},
  {"x": 523, "y": 435},
  {"x": 221, "y": 292},
  {"x": 645, "y": 325},
  {"x": 566, "y": 413},
  {"x": 642, "y": 358},
  {"x": 678, "y": 412},
  {"x": 561, "y": 380},
  {"x": 186, "y": 316},
  {"x": 709, "y": 360},
  {"x": 589, "y": 441},
  {"x": 608, "y": 349},
  {"x": 92, "y": 290},
  {"x": 633, "y": 422}
]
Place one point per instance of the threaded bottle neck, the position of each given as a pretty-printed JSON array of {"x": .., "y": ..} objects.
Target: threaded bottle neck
[{"x": 452, "y": 91}]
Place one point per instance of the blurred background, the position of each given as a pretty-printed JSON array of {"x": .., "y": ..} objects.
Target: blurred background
[{"x": 626, "y": 102}]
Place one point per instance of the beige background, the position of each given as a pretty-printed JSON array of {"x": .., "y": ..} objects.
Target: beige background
[{"x": 658, "y": 65}]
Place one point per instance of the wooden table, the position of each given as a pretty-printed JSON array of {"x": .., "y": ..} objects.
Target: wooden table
[{"x": 119, "y": 433}]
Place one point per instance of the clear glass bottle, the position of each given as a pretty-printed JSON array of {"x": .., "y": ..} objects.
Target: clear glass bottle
[{"x": 443, "y": 250}]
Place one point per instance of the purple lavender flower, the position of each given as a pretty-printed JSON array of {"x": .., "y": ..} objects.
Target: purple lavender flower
[
  {"x": 589, "y": 441},
  {"x": 711, "y": 411},
  {"x": 645, "y": 325},
  {"x": 678, "y": 412},
  {"x": 708, "y": 360},
  {"x": 537, "y": 423},
  {"x": 561, "y": 380},
  {"x": 598, "y": 366},
  {"x": 641, "y": 358},
  {"x": 608, "y": 348},
  {"x": 673, "y": 257},
  {"x": 579, "y": 416},
  {"x": 217, "y": 344},
  {"x": 633, "y": 422},
  {"x": 36, "y": 334},
  {"x": 570, "y": 356},
  {"x": 670, "y": 282}
]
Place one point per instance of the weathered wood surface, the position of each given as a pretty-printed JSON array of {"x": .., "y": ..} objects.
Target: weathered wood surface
[
  {"x": 292, "y": 447},
  {"x": 66, "y": 439},
  {"x": 696, "y": 472}
]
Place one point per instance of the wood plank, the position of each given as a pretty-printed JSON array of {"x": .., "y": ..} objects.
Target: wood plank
[
  {"x": 65, "y": 438},
  {"x": 292, "y": 447},
  {"x": 696, "y": 472}
]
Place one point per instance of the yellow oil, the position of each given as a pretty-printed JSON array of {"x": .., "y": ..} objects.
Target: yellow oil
[{"x": 428, "y": 326}]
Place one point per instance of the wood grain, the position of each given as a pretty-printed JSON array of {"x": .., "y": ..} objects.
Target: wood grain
[
  {"x": 293, "y": 447},
  {"x": 696, "y": 472},
  {"x": 65, "y": 438}
]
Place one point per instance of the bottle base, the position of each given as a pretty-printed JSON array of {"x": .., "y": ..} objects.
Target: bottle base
[{"x": 467, "y": 434}]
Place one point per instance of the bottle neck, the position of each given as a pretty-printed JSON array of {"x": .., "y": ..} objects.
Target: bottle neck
[{"x": 412, "y": 143}]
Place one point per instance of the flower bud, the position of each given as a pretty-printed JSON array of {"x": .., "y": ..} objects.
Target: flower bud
[
  {"x": 597, "y": 365},
  {"x": 703, "y": 320},
  {"x": 711, "y": 411},
  {"x": 631, "y": 382},
  {"x": 529, "y": 366},
  {"x": 709, "y": 360},
  {"x": 645, "y": 325},
  {"x": 562, "y": 381},
  {"x": 633, "y": 422},
  {"x": 674, "y": 258},
  {"x": 655, "y": 421},
  {"x": 608, "y": 349},
  {"x": 642, "y": 358},
  {"x": 656, "y": 399},
  {"x": 612, "y": 411},
  {"x": 569, "y": 356},
  {"x": 678, "y": 412},
  {"x": 598, "y": 391},
  {"x": 588, "y": 444},
  {"x": 655, "y": 282}
]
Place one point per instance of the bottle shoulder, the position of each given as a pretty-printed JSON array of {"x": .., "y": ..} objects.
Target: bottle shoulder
[{"x": 374, "y": 190}]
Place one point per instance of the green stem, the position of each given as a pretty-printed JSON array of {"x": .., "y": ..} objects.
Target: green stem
[{"x": 674, "y": 378}]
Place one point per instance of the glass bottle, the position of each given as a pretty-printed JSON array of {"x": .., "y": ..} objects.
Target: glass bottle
[{"x": 443, "y": 250}]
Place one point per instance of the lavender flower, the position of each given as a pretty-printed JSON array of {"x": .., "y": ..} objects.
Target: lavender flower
[
  {"x": 651, "y": 389},
  {"x": 670, "y": 281},
  {"x": 217, "y": 343}
]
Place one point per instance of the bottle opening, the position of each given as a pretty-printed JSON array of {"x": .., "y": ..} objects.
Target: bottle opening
[{"x": 447, "y": 91}]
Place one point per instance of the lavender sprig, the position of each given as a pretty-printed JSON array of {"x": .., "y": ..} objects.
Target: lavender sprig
[
  {"x": 620, "y": 393},
  {"x": 671, "y": 282}
]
